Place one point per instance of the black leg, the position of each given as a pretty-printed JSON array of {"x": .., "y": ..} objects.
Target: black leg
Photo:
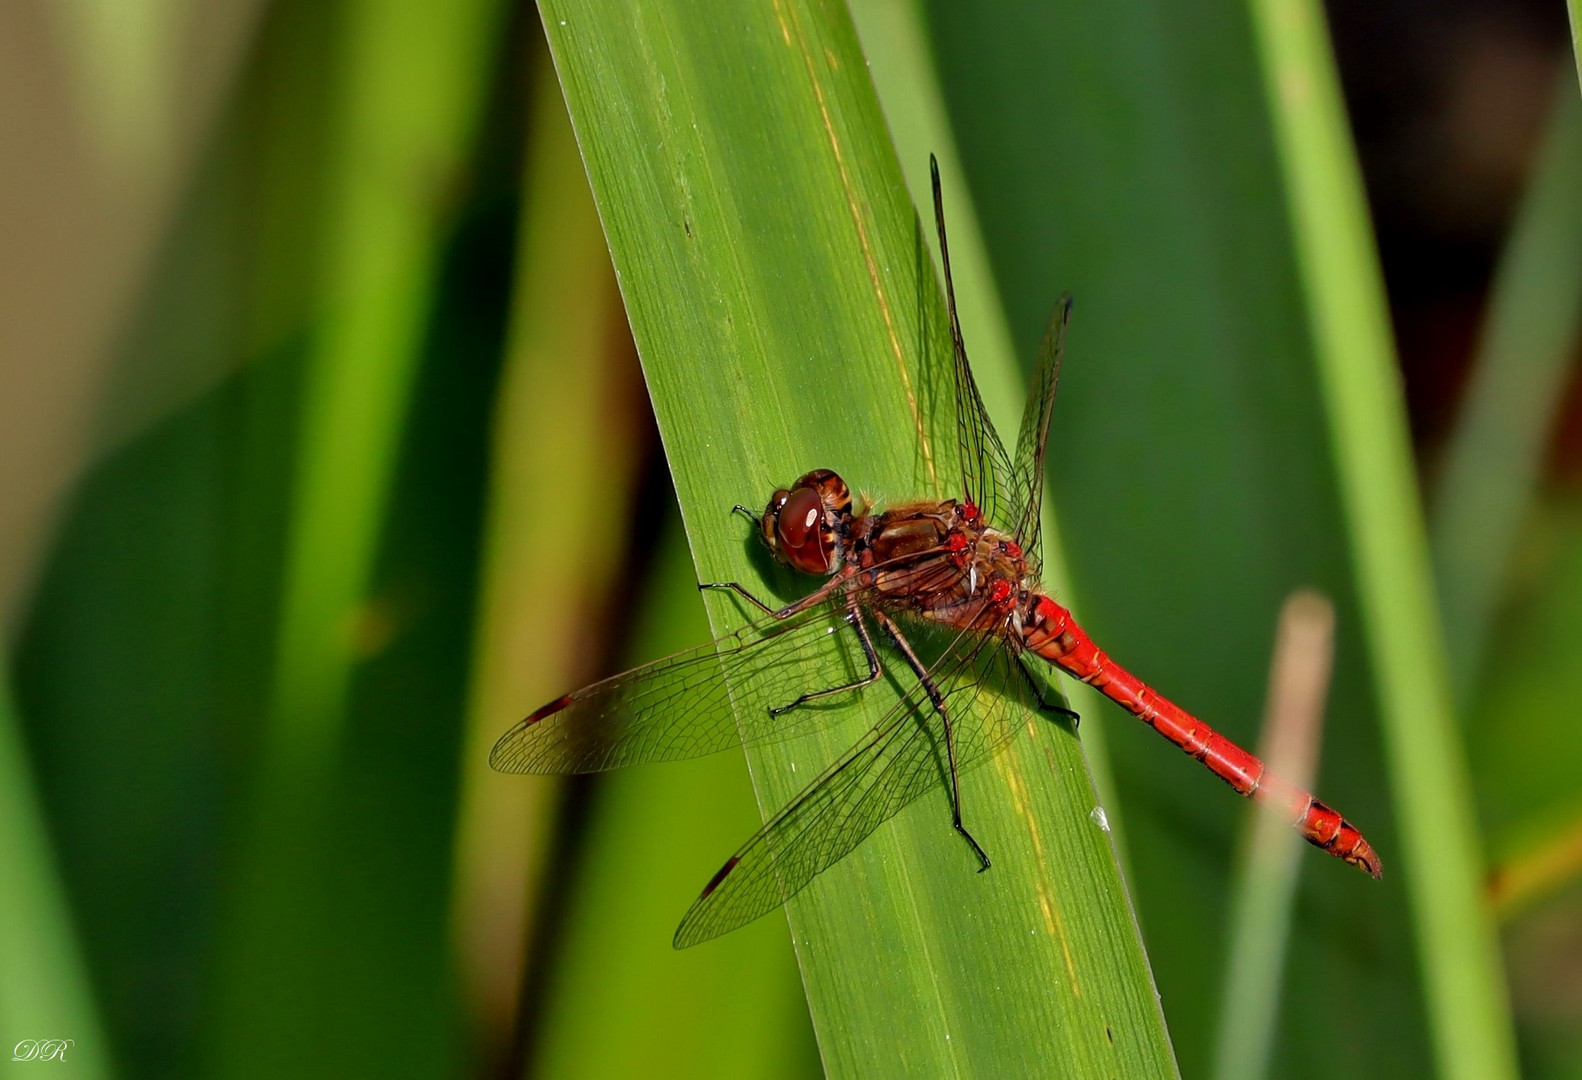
[
  {"x": 950, "y": 739},
  {"x": 742, "y": 592},
  {"x": 1043, "y": 702},
  {"x": 854, "y": 617}
]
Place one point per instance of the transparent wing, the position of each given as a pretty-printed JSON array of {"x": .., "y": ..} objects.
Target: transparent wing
[
  {"x": 1027, "y": 471},
  {"x": 902, "y": 758},
  {"x": 987, "y": 479},
  {"x": 680, "y": 707}
]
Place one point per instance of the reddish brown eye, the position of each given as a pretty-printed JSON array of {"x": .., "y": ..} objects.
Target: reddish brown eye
[
  {"x": 799, "y": 517},
  {"x": 800, "y": 531}
]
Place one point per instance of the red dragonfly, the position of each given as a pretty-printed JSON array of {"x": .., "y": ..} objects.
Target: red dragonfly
[{"x": 963, "y": 573}]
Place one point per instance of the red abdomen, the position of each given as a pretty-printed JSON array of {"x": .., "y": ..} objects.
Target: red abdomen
[{"x": 1054, "y": 635}]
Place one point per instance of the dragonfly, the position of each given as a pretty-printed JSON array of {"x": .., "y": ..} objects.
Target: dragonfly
[{"x": 962, "y": 572}]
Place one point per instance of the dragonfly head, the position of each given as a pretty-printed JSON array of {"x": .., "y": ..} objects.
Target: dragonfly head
[{"x": 806, "y": 526}]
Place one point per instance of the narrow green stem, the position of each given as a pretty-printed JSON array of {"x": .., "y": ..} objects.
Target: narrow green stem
[{"x": 1458, "y": 950}]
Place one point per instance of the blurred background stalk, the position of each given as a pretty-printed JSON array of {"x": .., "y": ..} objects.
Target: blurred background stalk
[
  {"x": 1271, "y": 855},
  {"x": 1514, "y": 399},
  {"x": 565, "y": 451},
  {"x": 1441, "y": 853},
  {"x": 408, "y": 94}
]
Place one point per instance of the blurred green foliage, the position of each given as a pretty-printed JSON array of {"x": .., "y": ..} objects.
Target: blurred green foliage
[{"x": 242, "y": 686}]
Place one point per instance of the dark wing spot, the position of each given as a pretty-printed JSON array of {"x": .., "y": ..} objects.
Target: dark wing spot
[
  {"x": 548, "y": 710},
  {"x": 714, "y": 882},
  {"x": 504, "y": 755}
]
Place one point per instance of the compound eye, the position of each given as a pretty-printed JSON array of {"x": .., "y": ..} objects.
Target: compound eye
[{"x": 799, "y": 518}]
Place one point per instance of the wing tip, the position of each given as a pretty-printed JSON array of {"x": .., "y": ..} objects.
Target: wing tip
[
  {"x": 688, "y": 934},
  {"x": 504, "y": 756}
]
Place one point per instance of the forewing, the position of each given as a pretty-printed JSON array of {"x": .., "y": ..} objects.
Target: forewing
[
  {"x": 985, "y": 469},
  {"x": 899, "y": 760},
  {"x": 1027, "y": 476},
  {"x": 680, "y": 707}
]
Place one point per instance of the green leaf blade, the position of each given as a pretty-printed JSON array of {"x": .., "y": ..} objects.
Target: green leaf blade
[{"x": 786, "y": 313}]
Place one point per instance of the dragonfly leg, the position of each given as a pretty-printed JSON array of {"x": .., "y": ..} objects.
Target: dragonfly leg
[
  {"x": 938, "y": 700},
  {"x": 854, "y": 617},
  {"x": 812, "y": 599},
  {"x": 1043, "y": 702},
  {"x": 739, "y": 590}
]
